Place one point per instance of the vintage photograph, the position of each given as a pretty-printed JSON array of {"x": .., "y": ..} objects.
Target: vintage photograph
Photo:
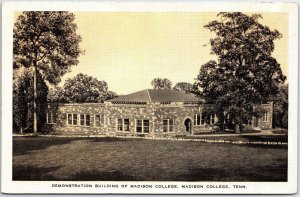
[{"x": 186, "y": 97}]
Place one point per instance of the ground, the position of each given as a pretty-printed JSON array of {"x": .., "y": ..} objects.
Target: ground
[{"x": 104, "y": 159}]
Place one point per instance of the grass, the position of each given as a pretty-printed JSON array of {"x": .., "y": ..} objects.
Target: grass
[
  {"x": 116, "y": 159},
  {"x": 245, "y": 138},
  {"x": 280, "y": 131}
]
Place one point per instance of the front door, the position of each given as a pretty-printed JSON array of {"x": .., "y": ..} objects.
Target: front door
[{"x": 188, "y": 125}]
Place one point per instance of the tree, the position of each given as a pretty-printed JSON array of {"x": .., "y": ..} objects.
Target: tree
[
  {"x": 111, "y": 95},
  {"x": 244, "y": 74},
  {"x": 161, "y": 84},
  {"x": 23, "y": 100},
  {"x": 183, "y": 86},
  {"x": 55, "y": 94},
  {"x": 280, "y": 107},
  {"x": 48, "y": 43},
  {"x": 83, "y": 88}
]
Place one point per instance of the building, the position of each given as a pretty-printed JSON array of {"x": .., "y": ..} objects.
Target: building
[{"x": 147, "y": 112}]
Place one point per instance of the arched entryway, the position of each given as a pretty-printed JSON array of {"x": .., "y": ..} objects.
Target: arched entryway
[{"x": 188, "y": 125}]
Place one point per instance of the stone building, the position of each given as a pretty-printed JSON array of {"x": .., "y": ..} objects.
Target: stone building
[{"x": 147, "y": 112}]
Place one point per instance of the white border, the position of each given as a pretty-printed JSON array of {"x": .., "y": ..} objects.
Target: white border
[{"x": 8, "y": 8}]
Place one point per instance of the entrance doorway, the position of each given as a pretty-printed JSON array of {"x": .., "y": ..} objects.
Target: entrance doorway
[{"x": 188, "y": 125}]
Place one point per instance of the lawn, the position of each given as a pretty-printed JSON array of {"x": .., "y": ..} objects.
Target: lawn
[
  {"x": 112, "y": 159},
  {"x": 244, "y": 138}
]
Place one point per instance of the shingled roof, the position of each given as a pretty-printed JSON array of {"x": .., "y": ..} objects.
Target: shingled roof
[{"x": 150, "y": 95}]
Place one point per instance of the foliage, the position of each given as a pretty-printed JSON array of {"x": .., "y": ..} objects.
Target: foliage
[
  {"x": 161, "y": 84},
  {"x": 47, "y": 40},
  {"x": 183, "y": 86},
  {"x": 55, "y": 94},
  {"x": 111, "y": 95},
  {"x": 23, "y": 100},
  {"x": 245, "y": 74},
  {"x": 80, "y": 89},
  {"x": 280, "y": 110}
]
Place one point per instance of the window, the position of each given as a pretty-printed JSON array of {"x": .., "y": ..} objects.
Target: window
[
  {"x": 72, "y": 119},
  {"x": 82, "y": 119},
  {"x": 120, "y": 124},
  {"x": 69, "y": 119},
  {"x": 146, "y": 126},
  {"x": 139, "y": 126},
  {"x": 50, "y": 118},
  {"x": 202, "y": 119},
  {"x": 142, "y": 126},
  {"x": 165, "y": 125},
  {"x": 123, "y": 124},
  {"x": 265, "y": 117},
  {"x": 126, "y": 124},
  {"x": 171, "y": 125},
  {"x": 199, "y": 119},
  {"x": 168, "y": 125},
  {"x": 87, "y": 120},
  {"x": 212, "y": 118},
  {"x": 98, "y": 120}
]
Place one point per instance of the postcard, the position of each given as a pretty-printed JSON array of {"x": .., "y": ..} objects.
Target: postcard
[{"x": 149, "y": 98}]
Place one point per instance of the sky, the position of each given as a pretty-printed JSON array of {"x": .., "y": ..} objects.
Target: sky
[{"x": 128, "y": 50}]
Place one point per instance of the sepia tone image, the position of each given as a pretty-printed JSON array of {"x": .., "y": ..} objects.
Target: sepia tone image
[{"x": 150, "y": 96}]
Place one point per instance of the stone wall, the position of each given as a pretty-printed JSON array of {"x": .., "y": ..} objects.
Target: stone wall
[
  {"x": 109, "y": 121},
  {"x": 180, "y": 113},
  {"x": 154, "y": 112},
  {"x": 264, "y": 125}
]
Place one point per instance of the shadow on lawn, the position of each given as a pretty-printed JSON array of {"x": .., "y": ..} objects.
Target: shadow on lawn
[
  {"x": 33, "y": 173},
  {"x": 22, "y": 145},
  {"x": 267, "y": 174},
  {"x": 102, "y": 176},
  {"x": 111, "y": 139},
  {"x": 263, "y": 138}
]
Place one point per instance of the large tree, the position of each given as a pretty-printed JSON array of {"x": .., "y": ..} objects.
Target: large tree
[
  {"x": 244, "y": 74},
  {"x": 47, "y": 42},
  {"x": 161, "y": 84},
  {"x": 83, "y": 88}
]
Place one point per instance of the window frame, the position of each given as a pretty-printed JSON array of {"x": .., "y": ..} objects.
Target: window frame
[
  {"x": 78, "y": 119},
  {"x": 142, "y": 126},
  {"x": 101, "y": 117},
  {"x": 69, "y": 120},
  {"x": 265, "y": 117},
  {"x": 168, "y": 125},
  {"x": 72, "y": 115},
  {"x": 122, "y": 125},
  {"x": 52, "y": 120},
  {"x": 75, "y": 119},
  {"x": 199, "y": 120}
]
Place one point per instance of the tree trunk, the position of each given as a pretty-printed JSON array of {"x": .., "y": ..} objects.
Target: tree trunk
[
  {"x": 237, "y": 128},
  {"x": 35, "y": 100}
]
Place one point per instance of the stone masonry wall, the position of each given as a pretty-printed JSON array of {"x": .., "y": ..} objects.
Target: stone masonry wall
[
  {"x": 154, "y": 112},
  {"x": 109, "y": 122},
  {"x": 179, "y": 113},
  {"x": 264, "y": 125}
]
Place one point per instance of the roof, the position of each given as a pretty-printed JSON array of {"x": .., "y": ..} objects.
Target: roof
[{"x": 151, "y": 95}]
